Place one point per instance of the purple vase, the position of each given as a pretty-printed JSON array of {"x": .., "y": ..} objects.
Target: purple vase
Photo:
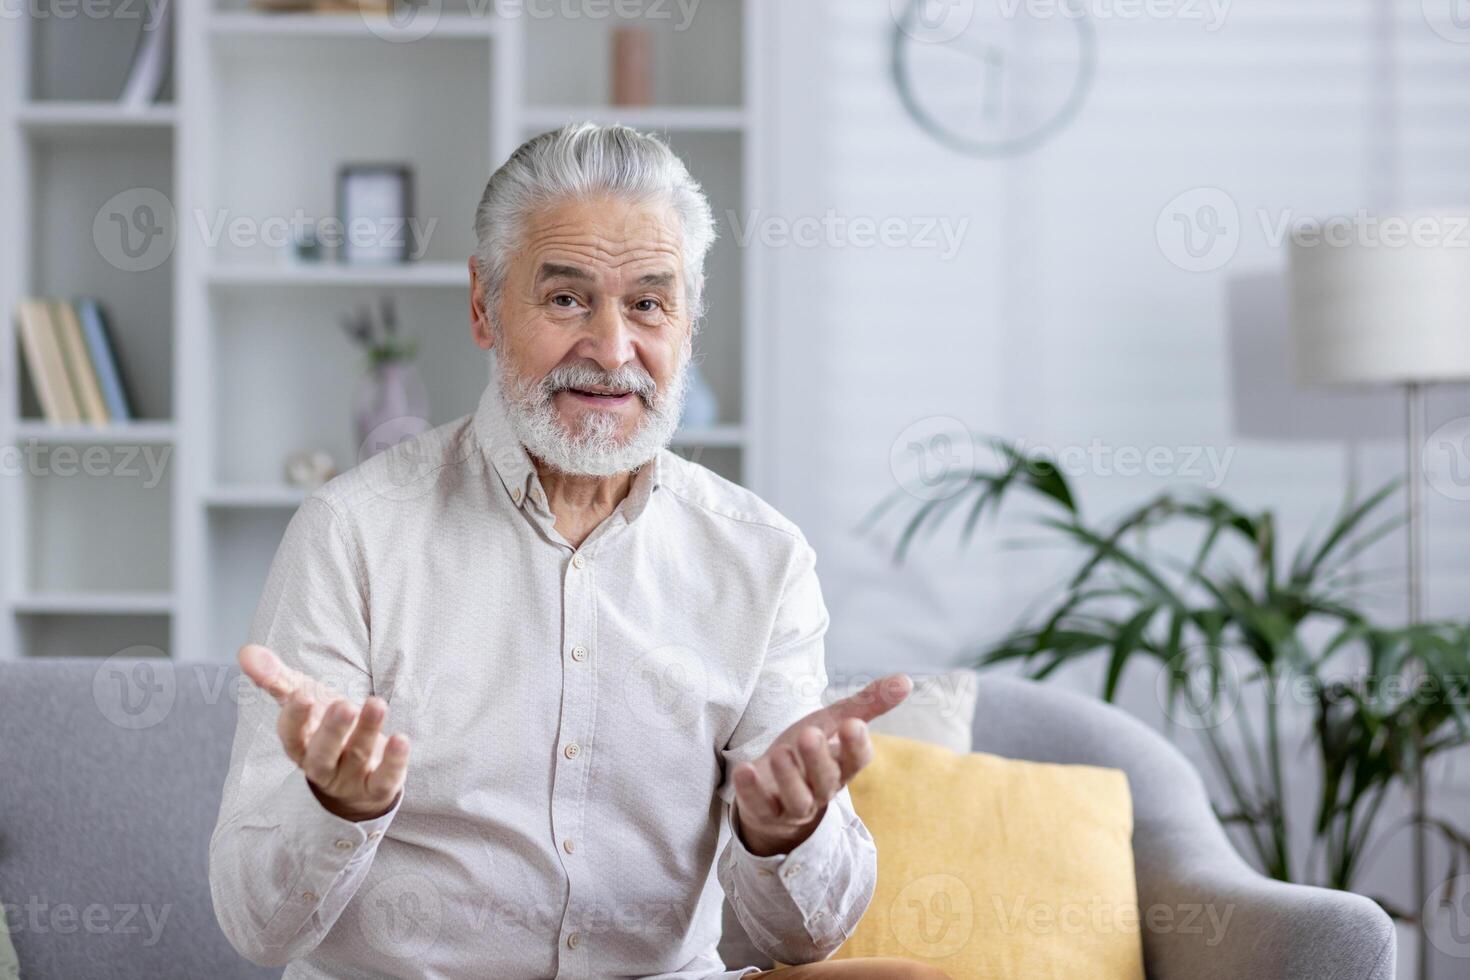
[{"x": 391, "y": 405}]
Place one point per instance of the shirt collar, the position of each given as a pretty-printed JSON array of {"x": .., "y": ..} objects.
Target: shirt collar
[{"x": 517, "y": 472}]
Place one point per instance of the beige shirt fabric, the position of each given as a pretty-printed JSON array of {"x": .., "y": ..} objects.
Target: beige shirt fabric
[{"x": 575, "y": 715}]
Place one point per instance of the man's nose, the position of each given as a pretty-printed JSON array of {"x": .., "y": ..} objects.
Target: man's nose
[{"x": 608, "y": 339}]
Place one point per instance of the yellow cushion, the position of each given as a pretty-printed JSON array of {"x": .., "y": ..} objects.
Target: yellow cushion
[{"x": 996, "y": 869}]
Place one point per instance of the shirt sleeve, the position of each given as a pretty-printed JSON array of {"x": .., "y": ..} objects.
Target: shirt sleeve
[
  {"x": 281, "y": 866},
  {"x": 797, "y": 907}
]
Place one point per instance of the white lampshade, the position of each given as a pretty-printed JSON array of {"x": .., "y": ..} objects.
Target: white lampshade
[{"x": 1374, "y": 309}]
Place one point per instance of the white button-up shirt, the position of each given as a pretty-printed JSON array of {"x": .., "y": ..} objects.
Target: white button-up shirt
[{"x": 575, "y": 715}]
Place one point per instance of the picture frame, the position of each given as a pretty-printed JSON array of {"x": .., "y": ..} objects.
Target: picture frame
[{"x": 375, "y": 206}]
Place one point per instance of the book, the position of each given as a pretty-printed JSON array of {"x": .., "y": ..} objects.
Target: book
[
  {"x": 99, "y": 345},
  {"x": 43, "y": 361},
  {"x": 78, "y": 363},
  {"x": 150, "y": 61}
]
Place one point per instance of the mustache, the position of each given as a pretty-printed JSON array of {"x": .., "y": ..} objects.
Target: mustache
[{"x": 628, "y": 378}]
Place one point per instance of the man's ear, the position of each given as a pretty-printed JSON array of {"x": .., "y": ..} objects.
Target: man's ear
[{"x": 479, "y": 315}]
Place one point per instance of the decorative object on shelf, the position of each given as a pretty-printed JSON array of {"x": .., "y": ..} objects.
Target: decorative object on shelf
[
  {"x": 1237, "y": 632},
  {"x": 306, "y": 247},
  {"x": 392, "y": 403},
  {"x": 375, "y": 205},
  {"x": 309, "y": 468},
  {"x": 701, "y": 406},
  {"x": 1366, "y": 314},
  {"x": 151, "y": 60},
  {"x": 70, "y": 362},
  {"x": 632, "y": 66}
]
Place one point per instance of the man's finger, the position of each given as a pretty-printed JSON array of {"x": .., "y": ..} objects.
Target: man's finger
[
  {"x": 267, "y": 672},
  {"x": 823, "y": 774},
  {"x": 874, "y": 700},
  {"x": 295, "y": 724},
  {"x": 796, "y": 796},
  {"x": 357, "y": 754},
  {"x": 855, "y": 748},
  {"x": 325, "y": 746},
  {"x": 753, "y": 795},
  {"x": 387, "y": 779}
]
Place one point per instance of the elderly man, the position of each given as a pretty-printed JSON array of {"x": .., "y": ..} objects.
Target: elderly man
[{"x": 608, "y": 661}]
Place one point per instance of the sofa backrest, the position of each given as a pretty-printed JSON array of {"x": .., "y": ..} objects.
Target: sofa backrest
[{"x": 110, "y": 781}]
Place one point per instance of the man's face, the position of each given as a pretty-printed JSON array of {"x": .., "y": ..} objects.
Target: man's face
[{"x": 594, "y": 329}]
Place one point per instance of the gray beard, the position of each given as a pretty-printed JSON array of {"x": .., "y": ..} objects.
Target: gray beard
[{"x": 593, "y": 450}]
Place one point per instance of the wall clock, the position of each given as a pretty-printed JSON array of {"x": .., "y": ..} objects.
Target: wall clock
[{"x": 992, "y": 78}]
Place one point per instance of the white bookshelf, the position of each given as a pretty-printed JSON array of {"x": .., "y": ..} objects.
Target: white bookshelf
[{"x": 232, "y": 353}]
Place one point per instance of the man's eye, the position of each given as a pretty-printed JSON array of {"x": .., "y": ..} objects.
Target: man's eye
[
  {"x": 570, "y": 300},
  {"x": 646, "y": 305}
]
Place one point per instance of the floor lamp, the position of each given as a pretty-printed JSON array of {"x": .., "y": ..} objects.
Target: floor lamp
[{"x": 1370, "y": 309}]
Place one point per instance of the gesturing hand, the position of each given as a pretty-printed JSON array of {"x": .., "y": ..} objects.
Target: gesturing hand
[
  {"x": 781, "y": 796},
  {"x": 355, "y": 771}
]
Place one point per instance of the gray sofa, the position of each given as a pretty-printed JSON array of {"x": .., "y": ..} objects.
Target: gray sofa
[{"x": 110, "y": 777}]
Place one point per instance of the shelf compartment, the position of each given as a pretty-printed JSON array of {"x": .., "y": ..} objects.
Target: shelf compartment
[
  {"x": 46, "y": 634},
  {"x": 449, "y": 25},
  {"x": 299, "y": 109},
  {"x": 258, "y": 497},
  {"x": 93, "y": 121},
  {"x": 697, "y": 60},
  {"x": 98, "y": 521}
]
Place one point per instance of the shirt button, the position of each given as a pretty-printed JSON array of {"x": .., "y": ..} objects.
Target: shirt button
[
  {"x": 308, "y": 897},
  {"x": 516, "y": 495},
  {"x": 375, "y": 835},
  {"x": 579, "y": 653},
  {"x": 573, "y": 750},
  {"x": 569, "y": 845},
  {"x": 573, "y": 940},
  {"x": 578, "y": 561},
  {"x": 344, "y": 845}
]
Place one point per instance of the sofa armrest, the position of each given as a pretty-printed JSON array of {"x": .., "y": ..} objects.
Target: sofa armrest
[{"x": 1221, "y": 920}]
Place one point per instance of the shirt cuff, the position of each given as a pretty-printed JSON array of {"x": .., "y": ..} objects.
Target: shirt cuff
[
  {"x": 804, "y": 873},
  {"x": 325, "y": 844}
]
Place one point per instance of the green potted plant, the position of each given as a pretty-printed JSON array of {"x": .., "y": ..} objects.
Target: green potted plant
[{"x": 1233, "y": 617}]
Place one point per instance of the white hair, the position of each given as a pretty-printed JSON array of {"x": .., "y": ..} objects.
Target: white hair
[{"x": 582, "y": 160}]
